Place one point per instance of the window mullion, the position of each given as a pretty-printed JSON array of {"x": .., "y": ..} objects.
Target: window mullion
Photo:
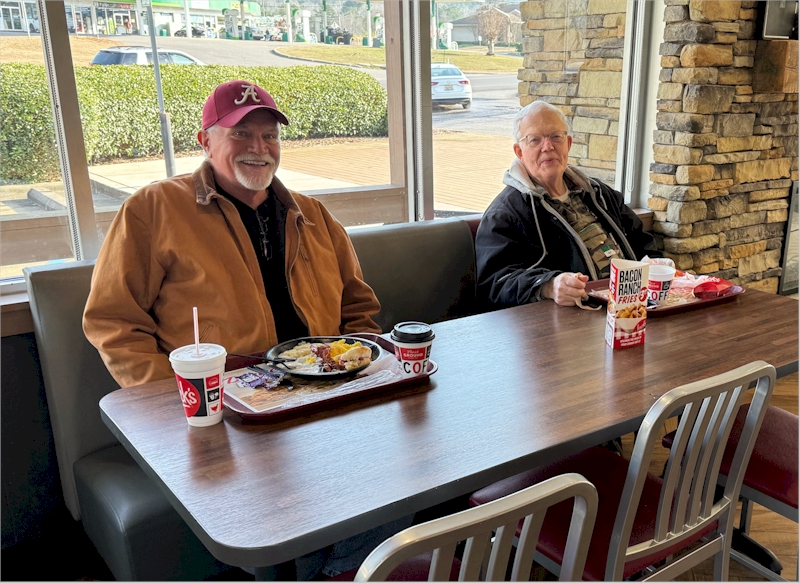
[
  {"x": 68, "y": 128},
  {"x": 418, "y": 108},
  {"x": 633, "y": 105}
]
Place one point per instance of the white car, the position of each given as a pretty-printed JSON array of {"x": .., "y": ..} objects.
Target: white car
[
  {"x": 142, "y": 56},
  {"x": 449, "y": 86}
]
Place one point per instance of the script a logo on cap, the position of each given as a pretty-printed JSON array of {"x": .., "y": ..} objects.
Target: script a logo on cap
[{"x": 249, "y": 91}]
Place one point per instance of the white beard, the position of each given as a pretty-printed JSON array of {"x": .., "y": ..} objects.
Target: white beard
[{"x": 252, "y": 183}]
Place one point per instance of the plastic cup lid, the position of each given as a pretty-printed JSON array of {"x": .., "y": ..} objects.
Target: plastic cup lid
[
  {"x": 189, "y": 353},
  {"x": 412, "y": 332}
]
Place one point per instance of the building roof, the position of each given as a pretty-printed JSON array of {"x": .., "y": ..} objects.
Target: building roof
[{"x": 509, "y": 10}]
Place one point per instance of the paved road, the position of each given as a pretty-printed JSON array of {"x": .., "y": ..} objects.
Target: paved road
[
  {"x": 218, "y": 51},
  {"x": 494, "y": 100},
  {"x": 494, "y": 105}
]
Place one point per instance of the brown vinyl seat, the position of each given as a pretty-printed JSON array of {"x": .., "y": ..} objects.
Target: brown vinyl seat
[{"x": 771, "y": 476}]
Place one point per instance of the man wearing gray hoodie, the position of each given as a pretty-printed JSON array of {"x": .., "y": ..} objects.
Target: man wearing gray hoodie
[{"x": 552, "y": 228}]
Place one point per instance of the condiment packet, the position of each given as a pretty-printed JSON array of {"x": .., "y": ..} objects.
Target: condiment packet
[{"x": 713, "y": 287}]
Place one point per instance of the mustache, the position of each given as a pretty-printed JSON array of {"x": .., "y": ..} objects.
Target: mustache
[{"x": 255, "y": 158}]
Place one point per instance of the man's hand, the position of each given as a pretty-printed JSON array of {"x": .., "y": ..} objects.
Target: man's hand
[{"x": 565, "y": 289}]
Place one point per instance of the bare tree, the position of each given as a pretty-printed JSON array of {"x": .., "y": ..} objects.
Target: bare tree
[{"x": 492, "y": 25}]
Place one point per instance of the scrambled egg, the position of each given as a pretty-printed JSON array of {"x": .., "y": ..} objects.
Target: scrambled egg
[
  {"x": 302, "y": 349},
  {"x": 339, "y": 347}
]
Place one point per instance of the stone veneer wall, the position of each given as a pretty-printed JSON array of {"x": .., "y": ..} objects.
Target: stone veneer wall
[
  {"x": 726, "y": 142},
  {"x": 573, "y": 59}
]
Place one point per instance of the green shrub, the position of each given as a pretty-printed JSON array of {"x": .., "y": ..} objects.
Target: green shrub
[
  {"x": 27, "y": 137},
  {"x": 119, "y": 109}
]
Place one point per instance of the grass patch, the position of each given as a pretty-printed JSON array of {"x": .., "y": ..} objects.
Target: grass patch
[
  {"x": 469, "y": 61},
  {"x": 21, "y": 49}
]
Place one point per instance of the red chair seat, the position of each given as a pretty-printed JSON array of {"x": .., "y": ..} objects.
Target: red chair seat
[
  {"x": 773, "y": 464},
  {"x": 413, "y": 569},
  {"x": 607, "y": 471}
]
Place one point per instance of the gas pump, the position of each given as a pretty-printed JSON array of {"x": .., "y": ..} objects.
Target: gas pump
[{"x": 232, "y": 23}]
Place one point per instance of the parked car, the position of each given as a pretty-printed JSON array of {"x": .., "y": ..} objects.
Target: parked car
[
  {"x": 449, "y": 86},
  {"x": 122, "y": 55},
  {"x": 196, "y": 32},
  {"x": 254, "y": 32}
]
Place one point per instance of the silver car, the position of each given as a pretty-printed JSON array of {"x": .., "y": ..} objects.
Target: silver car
[
  {"x": 449, "y": 86},
  {"x": 142, "y": 56}
]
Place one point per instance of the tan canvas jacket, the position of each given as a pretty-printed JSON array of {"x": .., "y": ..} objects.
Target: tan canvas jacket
[{"x": 178, "y": 243}]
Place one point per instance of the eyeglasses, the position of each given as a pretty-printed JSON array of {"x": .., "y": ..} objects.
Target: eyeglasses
[{"x": 535, "y": 141}]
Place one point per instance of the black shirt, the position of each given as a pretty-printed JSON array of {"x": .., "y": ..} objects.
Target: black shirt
[{"x": 266, "y": 226}]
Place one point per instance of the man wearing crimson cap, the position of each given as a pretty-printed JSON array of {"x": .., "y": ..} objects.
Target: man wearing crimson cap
[{"x": 261, "y": 263}]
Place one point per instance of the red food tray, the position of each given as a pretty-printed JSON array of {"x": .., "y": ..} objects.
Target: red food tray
[
  {"x": 311, "y": 394},
  {"x": 593, "y": 288}
]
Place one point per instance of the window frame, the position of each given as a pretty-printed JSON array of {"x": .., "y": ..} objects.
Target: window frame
[
  {"x": 408, "y": 196},
  {"x": 80, "y": 227},
  {"x": 640, "y": 68}
]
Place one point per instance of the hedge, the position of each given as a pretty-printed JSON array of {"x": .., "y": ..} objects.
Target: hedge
[{"x": 119, "y": 109}]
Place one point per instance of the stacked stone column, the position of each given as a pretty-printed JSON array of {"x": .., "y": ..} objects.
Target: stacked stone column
[
  {"x": 726, "y": 145},
  {"x": 573, "y": 60}
]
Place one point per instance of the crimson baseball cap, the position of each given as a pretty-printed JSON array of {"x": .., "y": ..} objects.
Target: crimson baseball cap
[{"x": 231, "y": 101}]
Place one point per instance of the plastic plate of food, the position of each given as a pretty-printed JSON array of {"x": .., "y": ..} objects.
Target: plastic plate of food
[{"x": 324, "y": 357}]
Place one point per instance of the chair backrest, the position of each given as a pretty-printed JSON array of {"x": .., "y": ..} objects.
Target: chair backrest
[
  {"x": 475, "y": 526},
  {"x": 75, "y": 377},
  {"x": 686, "y": 504},
  {"x": 419, "y": 271}
]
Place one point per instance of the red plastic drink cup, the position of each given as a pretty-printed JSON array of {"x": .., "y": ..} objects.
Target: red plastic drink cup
[
  {"x": 412, "y": 346},
  {"x": 199, "y": 376}
]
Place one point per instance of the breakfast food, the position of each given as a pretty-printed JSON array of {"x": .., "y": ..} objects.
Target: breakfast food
[
  {"x": 316, "y": 357},
  {"x": 356, "y": 357}
]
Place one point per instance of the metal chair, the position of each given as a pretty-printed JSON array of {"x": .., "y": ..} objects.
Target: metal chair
[
  {"x": 770, "y": 480},
  {"x": 645, "y": 521},
  {"x": 484, "y": 555}
]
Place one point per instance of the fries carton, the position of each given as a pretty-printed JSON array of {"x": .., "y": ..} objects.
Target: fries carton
[{"x": 627, "y": 303}]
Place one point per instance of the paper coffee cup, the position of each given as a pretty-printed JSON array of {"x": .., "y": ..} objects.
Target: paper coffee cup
[
  {"x": 412, "y": 346},
  {"x": 659, "y": 283},
  {"x": 200, "y": 381}
]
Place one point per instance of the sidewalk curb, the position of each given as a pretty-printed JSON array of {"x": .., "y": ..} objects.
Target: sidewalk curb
[
  {"x": 366, "y": 66},
  {"x": 361, "y": 66}
]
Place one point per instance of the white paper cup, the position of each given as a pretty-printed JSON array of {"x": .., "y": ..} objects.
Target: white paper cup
[
  {"x": 200, "y": 382},
  {"x": 660, "y": 281},
  {"x": 412, "y": 346}
]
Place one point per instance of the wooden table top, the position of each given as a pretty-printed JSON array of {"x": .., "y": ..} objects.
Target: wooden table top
[{"x": 515, "y": 388}]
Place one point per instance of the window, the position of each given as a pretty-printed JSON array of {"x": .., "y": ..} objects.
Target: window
[
  {"x": 179, "y": 59},
  {"x": 163, "y": 58},
  {"x": 34, "y": 218},
  {"x": 371, "y": 163},
  {"x": 350, "y": 134}
]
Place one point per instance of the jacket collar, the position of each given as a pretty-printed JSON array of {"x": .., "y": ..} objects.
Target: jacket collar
[
  {"x": 517, "y": 177},
  {"x": 205, "y": 190}
]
